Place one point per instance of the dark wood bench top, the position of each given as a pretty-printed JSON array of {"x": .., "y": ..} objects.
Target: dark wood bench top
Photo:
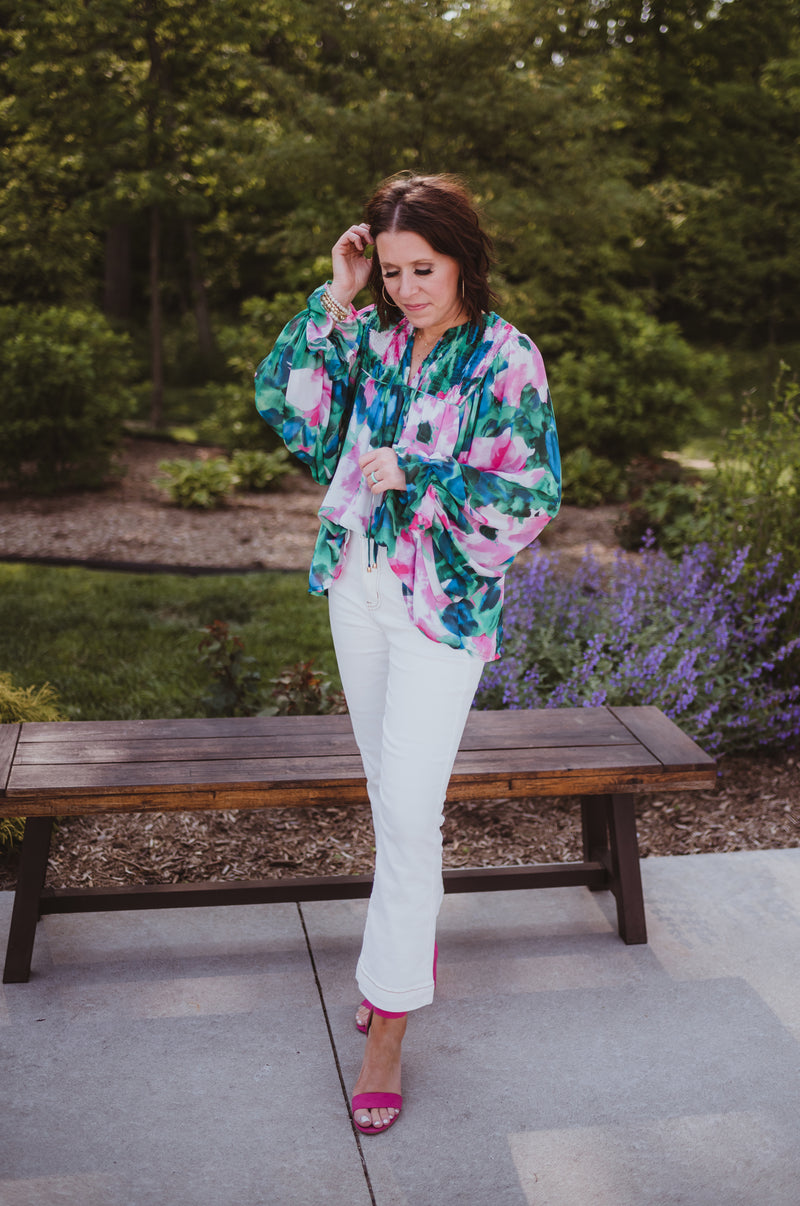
[{"x": 77, "y": 767}]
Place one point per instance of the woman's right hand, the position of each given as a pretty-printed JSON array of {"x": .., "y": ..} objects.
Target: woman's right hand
[{"x": 350, "y": 263}]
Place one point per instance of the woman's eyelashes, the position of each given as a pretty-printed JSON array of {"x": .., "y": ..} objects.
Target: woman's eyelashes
[{"x": 389, "y": 273}]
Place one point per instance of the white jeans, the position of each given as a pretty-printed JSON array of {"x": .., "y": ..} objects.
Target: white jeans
[{"x": 409, "y": 698}]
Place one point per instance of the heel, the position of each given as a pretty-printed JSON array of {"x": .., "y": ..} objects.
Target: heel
[
  {"x": 363, "y": 1029},
  {"x": 365, "y": 1004}
]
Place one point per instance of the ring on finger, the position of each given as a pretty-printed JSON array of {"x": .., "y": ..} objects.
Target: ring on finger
[{"x": 373, "y": 478}]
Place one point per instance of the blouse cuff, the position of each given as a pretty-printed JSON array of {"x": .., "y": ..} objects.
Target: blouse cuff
[
  {"x": 323, "y": 334},
  {"x": 421, "y": 474},
  {"x": 321, "y": 315},
  {"x": 412, "y": 467}
]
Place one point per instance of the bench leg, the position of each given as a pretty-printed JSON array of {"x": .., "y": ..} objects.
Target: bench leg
[
  {"x": 594, "y": 822},
  {"x": 25, "y": 913},
  {"x": 626, "y": 876},
  {"x": 609, "y": 837}
]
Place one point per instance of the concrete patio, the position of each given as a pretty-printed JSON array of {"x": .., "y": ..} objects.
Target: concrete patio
[{"x": 201, "y": 1057}]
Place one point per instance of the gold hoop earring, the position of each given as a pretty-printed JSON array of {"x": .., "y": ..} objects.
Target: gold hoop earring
[
  {"x": 462, "y": 289},
  {"x": 387, "y": 299}
]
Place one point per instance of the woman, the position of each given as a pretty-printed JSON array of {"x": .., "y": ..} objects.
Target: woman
[{"x": 430, "y": 420}]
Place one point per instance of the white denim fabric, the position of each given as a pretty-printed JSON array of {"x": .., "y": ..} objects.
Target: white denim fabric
[{"x": 409, "y": 698}]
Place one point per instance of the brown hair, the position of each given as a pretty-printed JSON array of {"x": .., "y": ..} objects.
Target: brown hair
[{"x": 440, "y": 209}]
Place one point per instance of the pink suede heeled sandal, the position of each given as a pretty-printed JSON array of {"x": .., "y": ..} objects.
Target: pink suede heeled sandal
[
  {"x": 376, "y": 1101},
  {"x": 365, "y": 1004}
]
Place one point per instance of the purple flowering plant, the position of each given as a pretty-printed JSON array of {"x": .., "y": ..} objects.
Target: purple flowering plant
[{"x": 699, "y": 639}]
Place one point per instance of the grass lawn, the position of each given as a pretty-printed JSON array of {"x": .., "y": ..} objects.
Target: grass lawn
[{"x": 120, "y": 646}]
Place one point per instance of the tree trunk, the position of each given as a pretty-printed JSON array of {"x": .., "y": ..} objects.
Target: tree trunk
[
  {"x": 117, "y": 287},
  {"x": 205, "y": 334},
  {"x": 154, "y": 159},
  {"x": 156, "y": 331}
]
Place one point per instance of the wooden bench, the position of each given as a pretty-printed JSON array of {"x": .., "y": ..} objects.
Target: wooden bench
[{"x": 603, "y": 755}]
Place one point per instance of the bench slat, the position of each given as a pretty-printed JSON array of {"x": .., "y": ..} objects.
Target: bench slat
[
  {"x": 574, "y": 781},
  {"x": 199, "y": 727},
  {"x": 178, "y": 743},
  {"x": 342, "y": 793},
  {"x": 555, "y": 726},
  {"x": 662, "y": 737},
  {"x": 299, "y": 746},
  {"x": 63, "y": 779},
  {"x": 546, "y": 726},
  {"x": 178, "y": 751},
  {"x": 9, "y": 734}
]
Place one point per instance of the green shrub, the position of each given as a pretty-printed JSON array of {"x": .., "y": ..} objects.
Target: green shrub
[
  {"x": 26, "y": 703},
  {"x": 64, "y": 384},
  {"x": 753, "y": 500},
  {"x": 233, "y": 421},
  {"x": 199, "y": 483},
  {"x": 12, "y": 831},
  {"x": 304, "y": 690},
  {"x": 590, "y": 480},
  {"x": 301, "y": 689},
  {"x": 633, "y": 386},
  {"x": 754, "y": 497},
  {"x": 22, "y": 704},
  {"x": 259, "y": 470},
  {"x": 668, "y": 516},
  {"x": 206, "y": 483},
  {"x": 236, "y": 686}
]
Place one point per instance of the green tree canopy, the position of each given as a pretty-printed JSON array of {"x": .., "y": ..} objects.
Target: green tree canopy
[{"x": 166, "y": 160}]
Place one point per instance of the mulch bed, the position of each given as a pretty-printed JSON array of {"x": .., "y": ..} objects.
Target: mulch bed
[{"x": 755, "y": 806}]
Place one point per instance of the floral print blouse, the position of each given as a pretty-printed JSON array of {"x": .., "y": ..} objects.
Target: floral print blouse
[{"x": 473, "y": 432}]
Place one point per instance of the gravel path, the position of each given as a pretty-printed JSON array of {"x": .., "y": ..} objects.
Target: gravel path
[{"x": 132, "y": 523}]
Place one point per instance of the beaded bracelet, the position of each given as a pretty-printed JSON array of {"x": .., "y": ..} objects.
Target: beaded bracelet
[{"x": 333, "y": 307}]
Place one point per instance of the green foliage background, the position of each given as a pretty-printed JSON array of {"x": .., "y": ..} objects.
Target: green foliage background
[
  {"x": 185, "y": 167},
  {"x": 65, "y": 389}
]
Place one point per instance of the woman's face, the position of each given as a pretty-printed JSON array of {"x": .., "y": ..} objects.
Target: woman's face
[{"x": 422, "y": 282}]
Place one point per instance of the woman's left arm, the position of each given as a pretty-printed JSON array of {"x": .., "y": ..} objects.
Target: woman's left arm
[{"x": 501, "y": 487}]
